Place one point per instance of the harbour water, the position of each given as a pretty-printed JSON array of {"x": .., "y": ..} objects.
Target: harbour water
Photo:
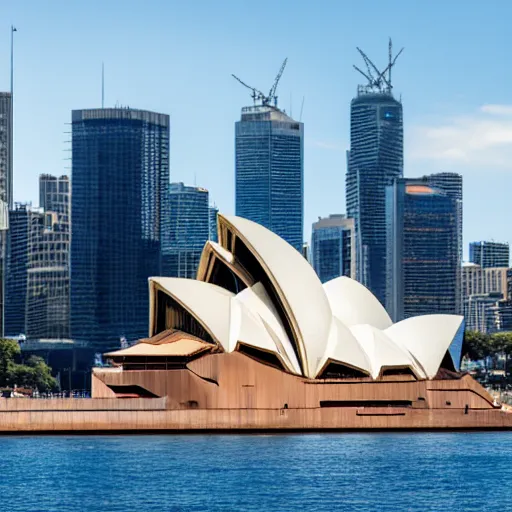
[{"x": 381, "y": 472}]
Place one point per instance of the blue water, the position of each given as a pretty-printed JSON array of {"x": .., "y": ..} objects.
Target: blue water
[{"x": 321, "y": 472}]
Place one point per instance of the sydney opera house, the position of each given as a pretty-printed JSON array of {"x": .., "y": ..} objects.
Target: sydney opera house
[{"x": 256, "y": 342}]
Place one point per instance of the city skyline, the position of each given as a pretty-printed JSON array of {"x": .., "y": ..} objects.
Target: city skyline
[{"x": 198, "y": 80}]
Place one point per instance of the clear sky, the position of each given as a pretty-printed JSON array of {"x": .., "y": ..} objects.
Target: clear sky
[{"x": 177, "y": 57}]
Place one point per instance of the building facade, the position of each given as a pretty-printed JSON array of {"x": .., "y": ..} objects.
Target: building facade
[
  {"x": 186, "y": 230},
  {"x": 333, "y": 248},
  {"x": 374, "y": 161},
  {"x": 423, "y": 250},
  {"x": 269, "y": 171},
  {"x": 120, "y": 178},
  {"x": 213, "y": 212},
  {"x": 48, "y": 262},
  {"x": 6, "y": 148},
  {"x": 23, "y": 220},
  {"x": 6, "y": 196},
  {"x": 489, "y": 254}
]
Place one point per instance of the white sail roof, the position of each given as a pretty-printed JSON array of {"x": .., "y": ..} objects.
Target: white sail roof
[
  {"x": 258, "y": 302},
  {"x": 343, "y": 347},
  {"x": 382, "y": 351},
  {"x": 290, "y": 314},
  {"x": 298, "y": 285},
  {"x": 427, "y": 337},
  {"x": 354, "y": 304},
  {"x": 208, "y": 303}
]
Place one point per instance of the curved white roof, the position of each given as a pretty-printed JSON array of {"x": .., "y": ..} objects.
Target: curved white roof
[
  {"x": 298, "y": 285},
  {"x": 223, "y": 253},
  {"x": 208, "y": 303},
  {"x": 427, "y": 337},
  {"x": 354, "y": 304},
  {"x": 258, "y": 302},
  {"x": 344, "y": 348},
  {"x": 382, "y": 351}
]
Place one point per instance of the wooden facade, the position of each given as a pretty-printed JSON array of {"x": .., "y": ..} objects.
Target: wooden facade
[{"x": 233, "y": 392}]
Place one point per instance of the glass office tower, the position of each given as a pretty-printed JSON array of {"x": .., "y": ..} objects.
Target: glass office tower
[
  {"x": 48, "y": 262},
  {"x": 269, "y": 171},
  {"x": 186, "y": 230},
  {"x": 333, "y": 248},
  {"x": 23, "y": 220},
  {"x": 120, "y": 179},
  {"x": 213, "y": 212},
  {"x": 423, "y": 269},
  {"x": 374, "y": 161}
]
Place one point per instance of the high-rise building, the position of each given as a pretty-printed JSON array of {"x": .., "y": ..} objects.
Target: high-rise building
[
  {"x": 451, "y": 184},
  {"x": 269, "y": 170},
  {"x": 186, "y": 230},
  {"x": 47, "y": 313},
  {"x": 23, "y": 219},
  {"x": 6, "y": 148},
  {"x": 6, "y": 196},
  {"x": 489, "y": 254},
  {"x": 120, "y": 179},
  {"x": 374, "y": 161},
  {"x": 333, "y": 247},
  {"x": 423, "y": 268},
  {"x": 213, "y": 235}
]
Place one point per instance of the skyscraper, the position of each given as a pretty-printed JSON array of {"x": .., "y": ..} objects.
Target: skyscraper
[
  {"x": 6, "y": 197},
  {"x": 269, "y": 170},
  {"x": 374, "y": 161},
  {"x": 423, "y": 269},
  {"x": 213, "y": 235},
  {"x": 333, "y": 248},
  {"x": 6, "y": 148},
  {"x": 186, "y": 230},
  {"x": 23, "y": 219},
  {"x": 489, "y": 254},
  {"x": 120, "y": 179},
  {"x": 48, "y": 262}
]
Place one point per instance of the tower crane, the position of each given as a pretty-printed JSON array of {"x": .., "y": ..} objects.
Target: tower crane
[{"x": 257, "y": 95}]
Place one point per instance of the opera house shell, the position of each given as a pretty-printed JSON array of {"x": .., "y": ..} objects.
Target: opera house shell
[{"x": 257, "y": 342}]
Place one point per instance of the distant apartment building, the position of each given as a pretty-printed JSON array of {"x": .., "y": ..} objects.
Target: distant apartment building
[
  {"x": 47, "y": 313},
  {"x": 269, "y": 171},
  {"x": 482, "y": 290},
  {"x": 213, "y": 211},
  {"x": 120, "y": 180},
  {"x": 423, "y": 264},
  {"x": 333, "y": 247},
  {"x": 23, "y": 221},
  {"x": 186, "y": 230},
  {"x": 489, "y": 254}
]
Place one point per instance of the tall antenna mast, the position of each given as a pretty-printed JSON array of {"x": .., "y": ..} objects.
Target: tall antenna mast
[{"x": 102, "y": 85}]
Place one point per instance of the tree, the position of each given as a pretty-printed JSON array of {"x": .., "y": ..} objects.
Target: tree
[
  {"x": 476, "y": 345},
  {"x": 9, "y": 351},
  {"x": 36, "y": 374}
]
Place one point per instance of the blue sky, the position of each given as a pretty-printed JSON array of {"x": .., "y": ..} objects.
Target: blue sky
[{"x": 177, "y": 57}]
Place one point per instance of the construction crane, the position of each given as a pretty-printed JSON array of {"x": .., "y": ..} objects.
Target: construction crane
[
  {"x": 257, "y": 95},
  {"x": 382, "y": 83}
]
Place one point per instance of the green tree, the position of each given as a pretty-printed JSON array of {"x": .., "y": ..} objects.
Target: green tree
[
  {"x": 476, "y": 345},
  {"x": 35, "y": 374},
  {"x": 502, "y": 344},
  {"x": 9, "y": 351}
]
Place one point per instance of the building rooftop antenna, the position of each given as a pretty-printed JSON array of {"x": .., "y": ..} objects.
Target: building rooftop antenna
[
  {"x": 257, "y": 95},
  {"x": 102, "y": 85},
  {"x": 382, "y": 82}
]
